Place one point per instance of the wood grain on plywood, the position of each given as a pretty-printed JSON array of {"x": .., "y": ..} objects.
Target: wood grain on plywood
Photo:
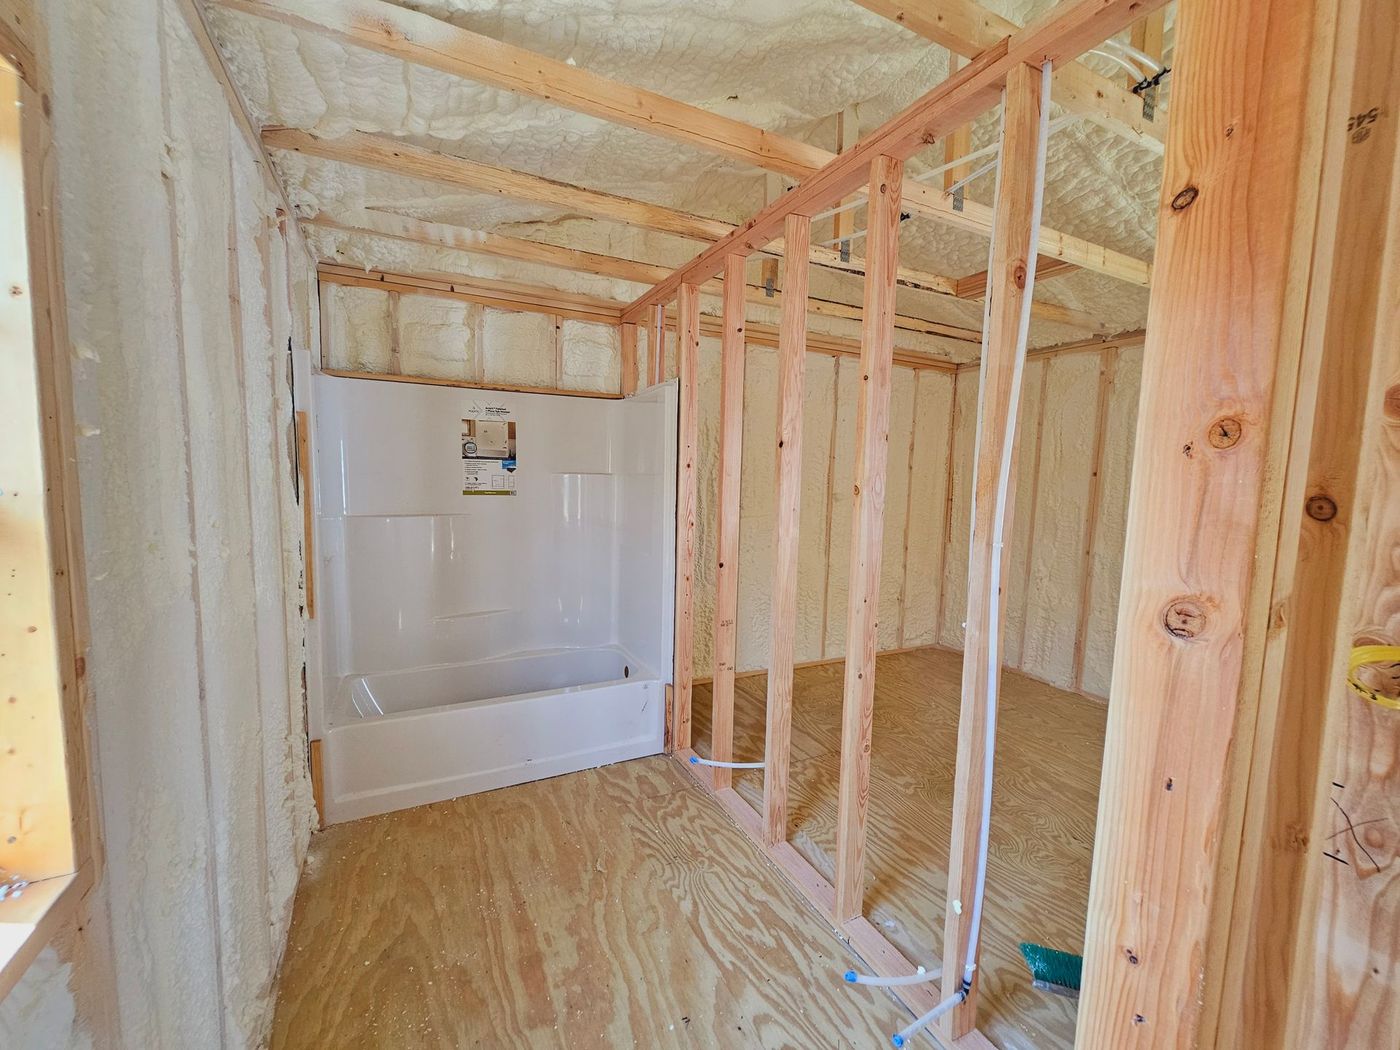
[
  {"x": 617, "y": 907},
  {"x": 1043, "y": 810}
]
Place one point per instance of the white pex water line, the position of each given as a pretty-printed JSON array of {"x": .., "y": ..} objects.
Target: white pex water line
[
  {"x": 696, "y": 760},
  {"x": 1153, "y": 65},
  {"x": 995, "y": 147},
  {"x": 979, "y": 893},
  {"x": 1120, "y": 61},
  {"x": 851, "y": 238},
  {"x": 919, "y": 976}
]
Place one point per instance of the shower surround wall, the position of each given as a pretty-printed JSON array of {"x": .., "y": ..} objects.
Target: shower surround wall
[{"x": 415, "y": 575}]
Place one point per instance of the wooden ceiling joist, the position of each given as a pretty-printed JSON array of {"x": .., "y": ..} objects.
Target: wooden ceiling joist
[
  {"x": 459, "y": 238},
  {"x": 383, "y": 153},
  {"x": 404, "y": 159},
  {"x": 1063, "y": 33},
  {"x": 431, "y": 42},
  {"x": 427, "y": 41},
  {"x": 977, "y": 218},
  {"x": 966, "y": 28},
  {"x": 462, "y": 239},
  {"x": 503, "y": 295},
  {"x": 416, "y": 231},
  {"x": 974, "y": 285}
]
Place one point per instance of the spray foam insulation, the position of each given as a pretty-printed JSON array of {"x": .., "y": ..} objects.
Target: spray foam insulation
[
  {"x": 450, "y": 339},
  {"x": 1115, "y": 474},
  {"x": 180, "y": 306},
  {"x": 785, "y": 65}
]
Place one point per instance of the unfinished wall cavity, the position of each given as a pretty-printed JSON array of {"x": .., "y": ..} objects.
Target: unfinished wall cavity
[
  {"x": 183, "y": 293},
  {"x": 1077, "y": 418},
  {"x": 400, "y": 333}
]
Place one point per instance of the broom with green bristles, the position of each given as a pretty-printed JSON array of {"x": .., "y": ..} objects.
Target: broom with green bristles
[{"x": 1054, "y": 971}]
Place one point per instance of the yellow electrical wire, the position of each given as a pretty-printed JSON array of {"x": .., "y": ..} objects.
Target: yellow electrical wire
[{"x": 1365, "y": 656}]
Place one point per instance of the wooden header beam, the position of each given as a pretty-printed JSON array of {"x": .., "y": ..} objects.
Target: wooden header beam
[
  {"x": 767, "y": 335},
  {"x": 1063, "y": 32},
  {"x": 509, "y": 295},
  {"x": 504, "y": 295}
]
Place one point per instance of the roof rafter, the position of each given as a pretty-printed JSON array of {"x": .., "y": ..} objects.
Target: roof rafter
[{"x": 431, "y": 42}]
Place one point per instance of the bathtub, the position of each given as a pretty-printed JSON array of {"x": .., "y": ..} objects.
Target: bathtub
[{"x": 406, "y": 738}]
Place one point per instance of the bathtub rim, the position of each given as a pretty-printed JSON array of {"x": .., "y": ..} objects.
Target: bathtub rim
[{"x": 343, "y": 712}]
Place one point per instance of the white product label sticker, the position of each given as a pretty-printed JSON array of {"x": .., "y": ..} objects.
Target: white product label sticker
[{"x": 488, "y": 452}]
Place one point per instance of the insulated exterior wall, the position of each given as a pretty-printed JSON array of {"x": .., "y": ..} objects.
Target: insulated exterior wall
[
  {"x": 818, "y": 410},
  {"x": 840, "y": 478},
  {"x": 928, "y": 507},
  {"x": 1110, "y": 526},
  {"x": 706, "y": 508},
  {"x": 953, "y": 598},
  {"x": 436, "y": 337},
  {"x": 758, "y": 503},
  {"x": 450, "y": 339},
  {"x": 181, "y": 297},
  {"x": 902, "y": 382},
  {"x": 1059, "y": 517},
  {"x": 1061, "y": 588},
  {"x": 1027, "y": 475}
]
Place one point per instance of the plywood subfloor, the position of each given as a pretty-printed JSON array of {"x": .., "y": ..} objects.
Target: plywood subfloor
[
  {"x": 613, "y": 908},
  {"x": 1049, "y": 750}
]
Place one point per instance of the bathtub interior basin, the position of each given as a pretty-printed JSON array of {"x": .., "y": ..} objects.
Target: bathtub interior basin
[{"x": 559, "y": 670}]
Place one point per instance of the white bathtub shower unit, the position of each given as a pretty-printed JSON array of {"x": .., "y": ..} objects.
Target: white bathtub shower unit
[
  {"x": 470, "y": 640},
  {"x": 407, "y": 738}
]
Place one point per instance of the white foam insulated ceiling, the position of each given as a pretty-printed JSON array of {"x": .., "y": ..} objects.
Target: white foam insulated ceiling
[{"x": 788, "y": 66}]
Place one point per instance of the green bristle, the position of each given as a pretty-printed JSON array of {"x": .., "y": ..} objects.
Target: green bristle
[{"x": 1054, "y": 971}]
